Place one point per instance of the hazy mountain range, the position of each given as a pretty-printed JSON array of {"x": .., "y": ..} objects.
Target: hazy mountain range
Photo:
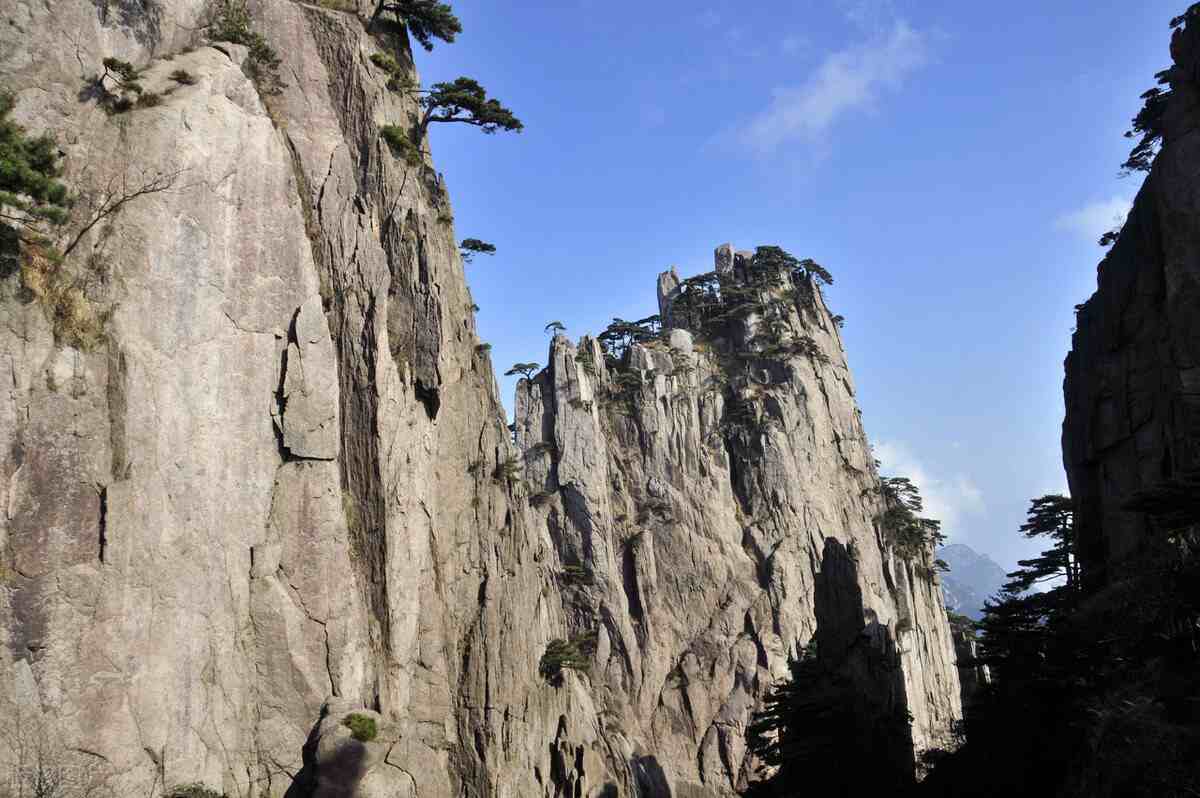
[{"x": 972, "y": 578}]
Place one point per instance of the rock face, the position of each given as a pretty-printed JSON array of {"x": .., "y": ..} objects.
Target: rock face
[
  {"x": 255, "y": 475},
  {"x": 1132, "y": 383},
  {"x": 971, "y": 675},
  {"x": 696, "y": 519}
]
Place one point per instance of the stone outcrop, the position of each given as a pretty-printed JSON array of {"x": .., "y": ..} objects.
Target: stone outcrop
[
  {"x": 972, "y": 675},
  {"x": 691, "y": 512},
  {"x": 1132, "y": 383},
  {"x": 272, "y": 484}
]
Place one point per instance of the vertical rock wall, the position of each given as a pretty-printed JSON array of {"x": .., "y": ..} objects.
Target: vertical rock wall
[
  {"x": 1132, "y": 383},
  {"x": 272, "y": 491}
]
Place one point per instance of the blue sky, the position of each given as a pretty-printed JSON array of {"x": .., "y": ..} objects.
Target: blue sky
[{"x": 951, "y": 163}]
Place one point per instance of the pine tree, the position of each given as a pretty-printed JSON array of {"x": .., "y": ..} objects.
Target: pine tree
[
  {"x": 31, "y": 194},
  {"x": 526, "y": 370},
  {"x": 463, "y": 100},
  {"x": 425, "y": 20},
  {"x": 470, "y": 247}
]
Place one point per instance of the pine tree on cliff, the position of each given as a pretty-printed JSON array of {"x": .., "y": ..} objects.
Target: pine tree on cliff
[
  {"x": 425, "y": 20},
  {"x": 30, "y": 192},
  {"x": 463, "y": 100}
]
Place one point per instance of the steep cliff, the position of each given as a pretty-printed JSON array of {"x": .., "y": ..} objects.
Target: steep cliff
[
  {"x": 713, "y": 506},
  {"x": 1132, "y": 383},
  {"x": 255, "y": 475}
]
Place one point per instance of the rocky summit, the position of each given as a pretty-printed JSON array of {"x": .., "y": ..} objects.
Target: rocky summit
[{"x": 265, "y": 528}]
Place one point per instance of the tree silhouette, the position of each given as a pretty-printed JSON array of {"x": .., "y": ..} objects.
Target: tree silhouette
[
  {"x": 526, "y": 370},
  {"x": 621, "y": 334},
  {"x": 554, "y": 327},
  {"x": 464, "y": 100},
  {"x": 470, "y": 247}
]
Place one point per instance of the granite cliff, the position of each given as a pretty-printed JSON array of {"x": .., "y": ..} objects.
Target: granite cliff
[
  {"x": 1132, "y": 384},
  {"x": 255, "y": 474}
]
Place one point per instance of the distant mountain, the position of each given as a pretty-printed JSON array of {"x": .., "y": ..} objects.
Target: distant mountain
[{"x": 972, "y": 578}]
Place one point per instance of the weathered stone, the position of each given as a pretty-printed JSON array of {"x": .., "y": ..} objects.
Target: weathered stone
[
  {"x": 308, "y": 399},
  {"x": 708, "y": 559},
  {"x": 723, "y": 259},
  {"x": 284, "y": 481},
  {"x": 681, "y": 341},
  {"x": 668, "y": 289}
]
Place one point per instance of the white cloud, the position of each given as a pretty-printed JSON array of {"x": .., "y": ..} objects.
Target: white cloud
[
  {"x": 1097, "y": 218},
  {"x": 846, "y": 80},
  {"x": 949, "y": 498}
]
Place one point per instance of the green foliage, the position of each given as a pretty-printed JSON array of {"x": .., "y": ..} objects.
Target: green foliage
[
  {"x": 554, "y": 327},
  {"x": 483, "y": 349},
  {"x": 769, "y": 285},
  {"x": 771, "y": 261},
  {"x": 362, "y": 727},
  {"x": 400, "y": 144},
  {"x": 561, "y": 654},
  {"x": 913, "y": 537},
  {"x": 464, "y": 100},
  {"x": 30, "y": 190},
  {"x": 470, "y": 247},
  {"x": 621, "y": 334},
  {"x": 194, "y": 790},
  {"x": 526, "y": 370},
  {"x": 425, "y": 20},
  {"x": 116, "y": 88},
  {"x": 386, "y": 62},
  {"x": 183, "y": 77},
  {"x": 399, "y": 79},
  {"x": 584, "y": 358},
  {"x": 229, "y": 21}
]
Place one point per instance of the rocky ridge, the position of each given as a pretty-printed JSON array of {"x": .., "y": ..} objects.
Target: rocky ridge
[
  {"x": 272, "y": 484},
  {"x": 713, "y": 507}
]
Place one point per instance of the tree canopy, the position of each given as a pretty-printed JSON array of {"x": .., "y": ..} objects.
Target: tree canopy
[
  {"x": 30, "y": 190},
  {"x": 776, "y": 260},
  {"x": 554, "y": 327},
  {"x": 425, "y": 20},
  {"x": 526, "y": 370},
  {"x": 470, "y": 247},
  {"x": 621, "y": 334},
  {"x": 914, "y": 536},
  {"x": 464, "y": 100}
]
